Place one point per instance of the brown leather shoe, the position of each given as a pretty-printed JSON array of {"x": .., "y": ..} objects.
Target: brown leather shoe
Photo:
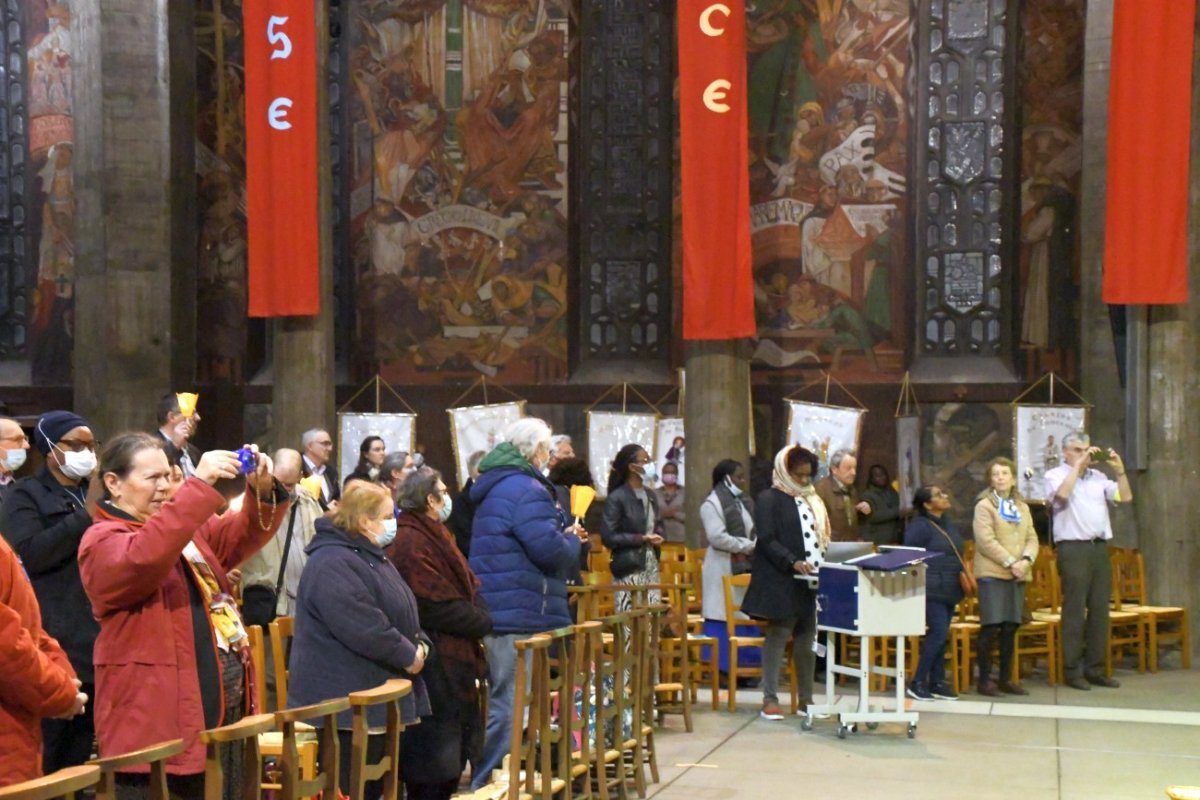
[
  {"x": 1012, "y": 688},
  {"x": 988, "y": 689}
]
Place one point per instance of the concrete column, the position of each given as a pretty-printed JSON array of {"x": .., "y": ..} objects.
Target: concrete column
[
  {"x": 1167, "y": 503},
  {"x": 716, "y": 420},
  {"x": 134, "y": 83},
  {"x": 303, "y": 364}
]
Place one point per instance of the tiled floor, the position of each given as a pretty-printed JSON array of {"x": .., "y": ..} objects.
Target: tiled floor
[{"x": 1122, "y": 743}]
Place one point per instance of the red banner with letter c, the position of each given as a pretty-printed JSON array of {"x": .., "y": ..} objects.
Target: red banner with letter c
[
  {"x": 281, "y": 158},
  {"x": 718, "y": 280}
]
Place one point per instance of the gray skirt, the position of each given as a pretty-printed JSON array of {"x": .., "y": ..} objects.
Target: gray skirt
[{"x": 1001, "y": 601}]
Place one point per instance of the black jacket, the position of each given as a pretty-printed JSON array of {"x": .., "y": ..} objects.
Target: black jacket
[
  {"x": 941, "y": 576},
  {"x": 331, "y": 477},
  {"x": 194, "y": 453},
  {"x": 44, "y": 522},
  {"x": 462, "y": 516},
  {"x": 624, "y": 524},
  {"x": 774, "y": 592}
]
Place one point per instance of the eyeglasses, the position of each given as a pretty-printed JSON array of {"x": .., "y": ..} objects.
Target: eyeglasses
[
  {"x": 76, "y": 446},
  {"x": 326, "y": 443}
]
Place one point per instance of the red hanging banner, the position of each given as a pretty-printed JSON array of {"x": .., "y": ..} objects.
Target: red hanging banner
[
  {"x": 1149, "y": 140},
  {"x": 281, "y": 157},
  {"x": 718, "y": 282}
]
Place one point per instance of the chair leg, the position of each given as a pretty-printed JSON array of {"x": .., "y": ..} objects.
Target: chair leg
[
  {"x": 1185, "y": 639},
  {"x": 733, "y": 676},
  {"x": 652, "y": 753}
]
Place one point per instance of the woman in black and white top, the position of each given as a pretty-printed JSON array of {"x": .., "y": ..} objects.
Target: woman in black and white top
[
  {"x": 631, "y": 526},
  {"x": 793, "y": 532},
  {"x": 729, "y": 528}
]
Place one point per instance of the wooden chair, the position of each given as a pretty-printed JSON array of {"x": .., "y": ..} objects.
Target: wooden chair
[
  {"x": 282, "y": 629},
  {"x": 258, "y": 659},
  {"x": 531, "y": 724},
  {"x": 65, "y": 783},
  {"x": 293, "y": 785},
  {"x": 586, "y": 648},
  {"x": 600, "y": 560},
  {"x": 155, "y": 755},
  {"x": 242, "y": 734},
  {"x": 670, "y": 652},
  {"x": 672, "y": 551},
  {"x": 734, "y": 618},
  {"x": 388, "y": 767},
  {"x": 1165, "y": 625},
  {"x": 557, "y": 670},
  {"x": 604, "y": 601},
  {"x": 612, "y": 698},
  {"x": 587, "y": 600}
]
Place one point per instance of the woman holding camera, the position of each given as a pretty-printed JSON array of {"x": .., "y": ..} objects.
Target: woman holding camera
[{"x": 171, "y": 658}]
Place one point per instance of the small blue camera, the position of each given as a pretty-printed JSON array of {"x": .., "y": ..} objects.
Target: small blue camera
[{"x": 248, "y": 460}]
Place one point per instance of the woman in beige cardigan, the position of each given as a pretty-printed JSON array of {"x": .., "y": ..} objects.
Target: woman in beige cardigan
[{"x": 1005, "y": 547}]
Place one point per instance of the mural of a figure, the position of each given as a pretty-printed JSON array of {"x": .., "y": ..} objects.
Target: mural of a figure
[
  {"x": 49, "y": 59},
  {"x": 53, "y": 324}
]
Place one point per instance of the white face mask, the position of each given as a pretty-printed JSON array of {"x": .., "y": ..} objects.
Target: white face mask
[
  {"x": 734, "y": 489},
  {"x": 447, "y": 506},
  {"x": 649, "y": 472},
  {"x": 77, "y": 466},
  {"x": 15, "y": 459}
]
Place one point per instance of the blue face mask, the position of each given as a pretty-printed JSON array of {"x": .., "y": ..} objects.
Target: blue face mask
[
  {"x": 649, "y": 472},
  {"x": 389, "y": 533},
  {"x": 734, "y": 489}
]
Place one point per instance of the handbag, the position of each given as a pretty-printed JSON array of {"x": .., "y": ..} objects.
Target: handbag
[
  {"x": 259, "y": 602},
  {"x": 627, "y": 561},
  {"x": 966, "y": 578}
]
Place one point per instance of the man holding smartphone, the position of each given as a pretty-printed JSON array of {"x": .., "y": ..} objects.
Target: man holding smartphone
[{"x": 1079, "y": 498}]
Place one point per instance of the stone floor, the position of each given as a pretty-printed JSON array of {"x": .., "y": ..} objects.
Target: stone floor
[{"x": 1130, "y": 742}]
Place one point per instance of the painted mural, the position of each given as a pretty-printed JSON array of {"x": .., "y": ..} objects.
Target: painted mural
[
  {"x": 221, "y": 295},
  {"x": 959, "y": 439},
  {"x": 459, "y": 131},
  {"x": 52, "y": 221},
  {"x": 1052, "y": 119},
  {"x": 828, "y": 140}
]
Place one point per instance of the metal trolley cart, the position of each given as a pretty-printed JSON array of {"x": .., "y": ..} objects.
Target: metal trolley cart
[{"x": 873, "y": 597}]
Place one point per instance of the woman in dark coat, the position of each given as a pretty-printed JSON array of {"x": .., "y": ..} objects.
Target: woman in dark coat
[
  {"x": 933, "y": 530},
  {"x": 371, "y": 454},
  {"x": 356, "y": 619},
  {"x": 631, "y": 526},
  {"x": 793, "y": 532},
  {"x": 454, "y": 617}
]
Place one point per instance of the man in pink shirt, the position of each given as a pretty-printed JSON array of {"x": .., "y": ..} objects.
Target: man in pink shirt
[{"x": 1079, "y": 498}]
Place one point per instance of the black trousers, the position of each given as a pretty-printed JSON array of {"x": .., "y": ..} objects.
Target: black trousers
[{"x": 68, "y": 742}]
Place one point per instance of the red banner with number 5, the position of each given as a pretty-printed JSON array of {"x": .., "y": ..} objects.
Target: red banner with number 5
[{"x": 281, "y": 158}]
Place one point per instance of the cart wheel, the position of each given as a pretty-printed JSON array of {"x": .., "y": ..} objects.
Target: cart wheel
[
  {"x": 806, "y": 723},
  {"x": 872, "y": 726},
  {"x": 854, "y": 727},
  {"x": 842, "y": 731},
  {"x": 912, "y": 731}
]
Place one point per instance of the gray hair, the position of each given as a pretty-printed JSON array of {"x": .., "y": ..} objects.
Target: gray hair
[
  {"x": 1076, "y": 437},
  {"x": 413, "y": 493},
  {"x": 558, "y": 439},
  {"x": 527, "y": 434},
  {"x": 310, "y": 435},
  {"x": 838, "y": 456},
  {"x": 474, "y": 459},
  {"x": 393, "y": 461}
]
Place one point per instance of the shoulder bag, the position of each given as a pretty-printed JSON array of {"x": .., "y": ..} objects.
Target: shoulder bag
[{"x": 966, "y": 578}]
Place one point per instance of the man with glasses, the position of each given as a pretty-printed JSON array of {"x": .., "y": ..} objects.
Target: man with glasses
[
  {"x": 176, "y": 431},
  {"x": 1079, "y": 498},
  {"x": 317, "y": 445},
  {"x": 43, "y": 519},
  {"x": 14, "y": 447}
]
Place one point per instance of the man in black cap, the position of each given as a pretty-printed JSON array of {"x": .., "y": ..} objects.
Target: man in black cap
[{"x": 43, "y": 519}]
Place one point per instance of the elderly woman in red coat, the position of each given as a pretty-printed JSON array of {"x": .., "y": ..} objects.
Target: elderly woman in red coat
[
  {"x": 36, "y": 680},
  {"x": 171, "y": 658}
]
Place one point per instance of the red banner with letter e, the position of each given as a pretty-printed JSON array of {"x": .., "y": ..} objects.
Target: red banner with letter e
[
  {"x": 1149, "y": 140},
  {"x": 718, "y": 288},
  {"x": 281, "y": 158}
]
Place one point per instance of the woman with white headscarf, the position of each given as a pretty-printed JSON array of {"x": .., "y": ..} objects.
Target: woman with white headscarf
[{"x": 793, "y": 532}]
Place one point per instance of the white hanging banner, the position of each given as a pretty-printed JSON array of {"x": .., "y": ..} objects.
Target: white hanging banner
[
  {"x": 908, "y": 460},
  {"x": 1038, "y": 432},
  {"x": 824, "y": 429},
  {"x": 398, "y": 431},
  {"x": 608, "y": 432},
  {"x": 475, "y": 428},
  {"x": 670, "y": 446}
]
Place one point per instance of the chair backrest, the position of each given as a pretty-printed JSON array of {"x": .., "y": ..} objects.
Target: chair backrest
[
  {"x": 733, "y": 604},
  {"x": 585, "y": 598},
  {"x": 326, "y": 779},
  {"x": 672, "y": 551},
  {"x": 242, "y": 734},
  {"x": 531, "y": 711},
  {"x": 386, "y": 768},
  {"x": 1128, "y": 584},
  {"x": 600, "y": 560},
  {"x": 282, "y": 630},
  {"x": 258, "y": 659},
  {"x": 1039, "y": 592},
  {"x": 586, "y": 650},
  {"x": 690, "y": 573},
  {"x": 155, "y": 755},
  {"x": 604, "y": 603},
  {"x": 64, "y": 783}
]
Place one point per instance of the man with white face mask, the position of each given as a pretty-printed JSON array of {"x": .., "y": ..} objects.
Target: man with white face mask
[
  {"x": 44, "y": 518},
  {"x": 14, "y": 447}
]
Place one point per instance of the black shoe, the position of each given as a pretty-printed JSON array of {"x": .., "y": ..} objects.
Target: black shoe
[
  {"x": 1100, "y": 680},
  {"x": 942, "y": 691},
  {"x": 988, "y": 689},
  {"x": 1079, "y": 683},
  {"x": 918, "y": 691}
]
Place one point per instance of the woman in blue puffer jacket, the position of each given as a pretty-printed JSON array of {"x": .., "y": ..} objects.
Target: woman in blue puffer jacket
[{"x": 521, "y": 550}]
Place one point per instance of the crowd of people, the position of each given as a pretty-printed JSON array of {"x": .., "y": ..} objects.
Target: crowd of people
[{"x": 128, "y": 578}]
